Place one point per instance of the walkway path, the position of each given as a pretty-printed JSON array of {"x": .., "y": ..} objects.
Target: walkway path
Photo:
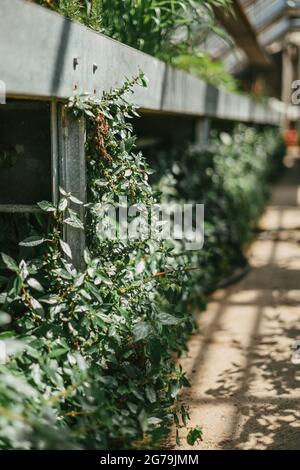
[{"x": 245, "y": 390}]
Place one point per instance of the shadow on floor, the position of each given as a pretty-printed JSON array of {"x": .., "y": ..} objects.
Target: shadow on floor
[{"x": 263, "y": 388}]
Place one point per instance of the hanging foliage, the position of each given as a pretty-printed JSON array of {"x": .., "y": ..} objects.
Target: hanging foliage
[{"x": 90, "y": 354}]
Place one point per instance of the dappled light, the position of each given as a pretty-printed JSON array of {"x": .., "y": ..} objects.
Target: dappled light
[{"x": 245, "y": 388}]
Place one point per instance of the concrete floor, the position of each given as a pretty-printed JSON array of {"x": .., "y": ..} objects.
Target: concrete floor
[{"x": 245, "y": 390}]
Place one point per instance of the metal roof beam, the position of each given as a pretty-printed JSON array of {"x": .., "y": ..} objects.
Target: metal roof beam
[{"x": 238, "y": 26}]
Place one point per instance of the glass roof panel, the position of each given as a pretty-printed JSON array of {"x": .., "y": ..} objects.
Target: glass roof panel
[
  {"x": 215, "y": 46},
  {"x": 234, "y": 59},
  {"x": 270, "y": 19},
  {"x": 261, "y": 12},
  {"x": 274, "y": 32}
]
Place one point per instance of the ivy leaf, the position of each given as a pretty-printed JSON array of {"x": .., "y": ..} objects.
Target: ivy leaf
[
  {"x": 133, "y": 407},
  {"x": 194, "y": 436},
  {"x": 177, "y": 438},
  {"x": 174, "y": 388},
  {"x": 63, "y": 204},
  {"x": 75, "y": 200},
  {"x": 36, "y": 305},
  {"x": 154, "y": 421},
  {"x": 89, "y": 113},
  {"x": 144, "y": 80},
  {"x": 36, "y": 373},
  {"x": 34, "y": 283},
  {"x": 127, "y": 173},
  {"x": 141, "y": 330},
  {"x": 17, "y": 285},
  {"x": 93, "y": 290},
  {"x": 79, "y": 281},
  {"x": 74, "y": 220},
  {"x": 63, "y": 192},
  {"x": 4, "y": 318},
  {"x": 150, "y": 394},
  {"x": 9, "y": 262},
  {"x": 76, "y": 223},
  {"x": 32, "y": 241},
  {"x": 46, "y": 206},
  {"x": 23, "y": 270},
  {"x": 66, "y": 248},
  {"x": 167, "y": 319},
  {"x": 18, "y": 384},
  {"x": 58, "y": 352},
  {"x": 87, "y": 256}
]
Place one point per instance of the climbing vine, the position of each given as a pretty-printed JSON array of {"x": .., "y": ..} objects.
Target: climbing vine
[{"x": 91, "y": 352}]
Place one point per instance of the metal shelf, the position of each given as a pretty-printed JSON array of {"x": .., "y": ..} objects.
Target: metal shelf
[{"x": 37, "y": 65}]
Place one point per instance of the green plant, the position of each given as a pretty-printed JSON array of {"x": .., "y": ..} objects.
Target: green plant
[
  {"x": 91, "y": 352},
  {"x": 194, "y": 436},
  {"x": 202, "y": 66}
]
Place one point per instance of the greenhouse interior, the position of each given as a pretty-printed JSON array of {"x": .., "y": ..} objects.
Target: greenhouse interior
[{"x": 149, "y": 229}]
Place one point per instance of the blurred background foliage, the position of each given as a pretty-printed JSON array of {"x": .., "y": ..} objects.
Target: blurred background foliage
[{"x": 231, "y": 175}]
